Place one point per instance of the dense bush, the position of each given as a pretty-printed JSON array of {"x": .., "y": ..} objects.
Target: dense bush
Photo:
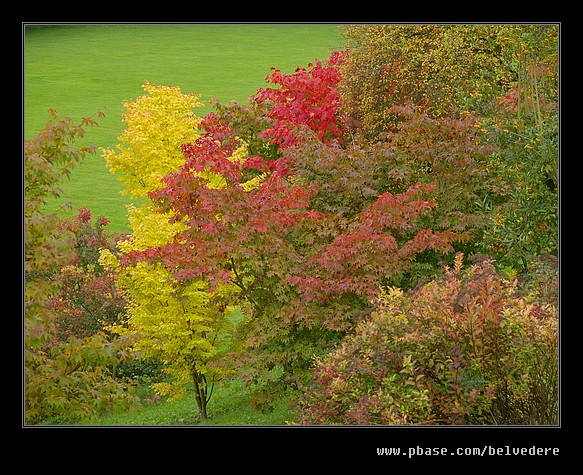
[
  {"x": 69, "y": 362},
  {"x": 466, "y": 348},
  {"x": 507, "y": 83},
  {"x": 87, "y": 299}
]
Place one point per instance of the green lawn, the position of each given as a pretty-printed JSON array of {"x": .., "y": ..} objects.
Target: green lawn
[
  {"x": 230, "y": 405},
  {"x": 81, "y": 69}
]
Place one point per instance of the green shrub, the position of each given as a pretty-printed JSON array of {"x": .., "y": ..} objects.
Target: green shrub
[
  {"x": 143, "y": 369},
  {"x": 467, "y": 348}
]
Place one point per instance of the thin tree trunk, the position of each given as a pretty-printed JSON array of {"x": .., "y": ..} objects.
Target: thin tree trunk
[{"x": 200, "y": 393}]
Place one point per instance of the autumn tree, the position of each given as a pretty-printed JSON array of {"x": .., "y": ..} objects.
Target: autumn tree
[
  {"x": 175, "y": 321},
  {"x": 235, "y": 235},
  {"x": 304, "y": 271},
  {"x": 449, "y": 154},
  {"x": 68, "y": 379}
]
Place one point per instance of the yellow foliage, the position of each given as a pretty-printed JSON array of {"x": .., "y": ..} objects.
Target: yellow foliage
[
  {"x": 216, "y": 181},
  {"x": 175, "y": 321},
  {"x": 158, "y": 123},
  {"x": 444, "y": 69},
  {"x": 253, "y": 183},
  {"x": 150, "y": 228}
]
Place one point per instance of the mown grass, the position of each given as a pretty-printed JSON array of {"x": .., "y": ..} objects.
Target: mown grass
[
  {"x": 82, "y": 69},
  {"x": 230, "y": 405}
]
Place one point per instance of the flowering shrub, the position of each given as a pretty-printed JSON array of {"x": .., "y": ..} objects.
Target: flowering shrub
[{"x": 463, "y": 349}]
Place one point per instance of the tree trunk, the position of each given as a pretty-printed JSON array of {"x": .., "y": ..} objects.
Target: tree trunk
[{"x": 200, "y": 391}]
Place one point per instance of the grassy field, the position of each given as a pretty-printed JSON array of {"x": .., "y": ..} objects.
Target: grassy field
[
  {"x": 81, "y": 69},
  {"x": 230, "y": 405}
]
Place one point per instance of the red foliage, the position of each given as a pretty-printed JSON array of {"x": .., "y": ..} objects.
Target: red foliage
[
  {"x": 87, "y": 298},
  {"x": 299, "y": 260},
  {"x": 379, "y": 244},
  {"x": 308, "y": 97}
]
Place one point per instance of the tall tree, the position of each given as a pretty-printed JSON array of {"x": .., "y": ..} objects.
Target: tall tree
[{"x": 176, "y": 322}]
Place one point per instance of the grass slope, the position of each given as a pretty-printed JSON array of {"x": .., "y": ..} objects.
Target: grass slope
[
  {"x": 81, "y": 69},
  {"x": 230, "y": 405}
]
